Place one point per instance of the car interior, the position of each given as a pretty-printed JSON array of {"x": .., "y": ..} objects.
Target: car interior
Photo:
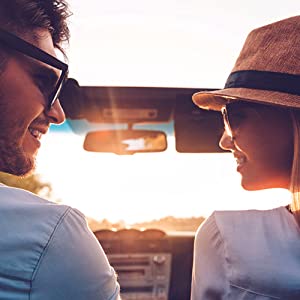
[
  {"x": 151, "y": 263},
  {"x": 136, "y": 156}
]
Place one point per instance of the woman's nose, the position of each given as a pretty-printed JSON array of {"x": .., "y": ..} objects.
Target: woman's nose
[
  {"x": 226, "y": 142},
  {"x": 56, "y": 113}
]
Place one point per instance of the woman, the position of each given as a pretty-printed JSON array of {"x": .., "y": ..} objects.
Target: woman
[{"x": 256, "y": 254}]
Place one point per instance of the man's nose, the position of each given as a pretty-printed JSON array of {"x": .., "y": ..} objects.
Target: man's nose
[
  {"x": 56, "y": 113},
  {"x": 226, "y": 142}
]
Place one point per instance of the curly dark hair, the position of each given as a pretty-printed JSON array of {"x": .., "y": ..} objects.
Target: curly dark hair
[{"x": 21, "y": 16}]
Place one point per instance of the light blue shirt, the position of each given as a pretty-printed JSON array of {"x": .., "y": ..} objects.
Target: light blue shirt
[
  {"x": 47, "y": 252},
  {"x": 247, "y": 255}
]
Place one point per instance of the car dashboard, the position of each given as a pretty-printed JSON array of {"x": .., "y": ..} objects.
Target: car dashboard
[{"x": 150, "y": 264}]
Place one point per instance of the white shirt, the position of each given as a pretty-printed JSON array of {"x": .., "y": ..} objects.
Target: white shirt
[{"x": 247, "y": 255}]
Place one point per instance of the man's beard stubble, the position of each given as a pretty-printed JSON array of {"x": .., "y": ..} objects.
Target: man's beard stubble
[{"x": 13, "y": 159}]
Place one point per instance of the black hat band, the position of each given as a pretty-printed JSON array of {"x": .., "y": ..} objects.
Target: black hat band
[{"x": 264, "y": 80}]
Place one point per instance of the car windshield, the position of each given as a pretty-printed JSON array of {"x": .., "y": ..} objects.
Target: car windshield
[{"x": 186, "y": 44}]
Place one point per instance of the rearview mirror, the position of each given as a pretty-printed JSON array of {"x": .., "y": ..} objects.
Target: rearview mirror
[{"x": 125, "y": 141}]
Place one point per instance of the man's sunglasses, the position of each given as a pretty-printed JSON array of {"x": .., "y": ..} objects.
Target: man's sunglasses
[{"x": 18, "y": 44}]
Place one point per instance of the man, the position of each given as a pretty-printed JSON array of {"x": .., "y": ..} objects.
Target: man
[{"x": 46, "y": 250}]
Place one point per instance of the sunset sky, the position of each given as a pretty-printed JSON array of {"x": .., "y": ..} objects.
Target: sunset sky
[{"x": 181, "y": 43}]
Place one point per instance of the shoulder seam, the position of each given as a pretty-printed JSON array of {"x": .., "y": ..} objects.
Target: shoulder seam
[
  {"x": 252, "y": 292},
  {"x": 225, "y": 252},
  {"x": 47, "y": 245},
  {"x": 214, "y": 215}
]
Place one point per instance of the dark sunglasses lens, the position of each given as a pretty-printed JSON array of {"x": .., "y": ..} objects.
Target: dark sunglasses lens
[{"x": 236, "y": 112}]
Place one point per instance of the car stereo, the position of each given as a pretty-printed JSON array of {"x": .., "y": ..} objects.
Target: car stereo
[{"x": 143, "y": 275}]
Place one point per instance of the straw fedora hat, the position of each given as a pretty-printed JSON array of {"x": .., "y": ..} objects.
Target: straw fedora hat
[{"x": 267, "y": 69}]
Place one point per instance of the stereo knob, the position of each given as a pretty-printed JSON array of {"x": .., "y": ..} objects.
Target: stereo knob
[{"x": 159, "y": 259}]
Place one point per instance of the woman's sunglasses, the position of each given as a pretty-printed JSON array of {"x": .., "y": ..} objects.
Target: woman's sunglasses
[
  {"x": 18, "y": 44},
  {"x": 230, "y": 112},
  {"x": 235, "y": 112}
]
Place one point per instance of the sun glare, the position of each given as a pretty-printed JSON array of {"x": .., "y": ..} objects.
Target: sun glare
[
  {"x": 143, "y": 187},
  {"x": 120, "y": 45}
]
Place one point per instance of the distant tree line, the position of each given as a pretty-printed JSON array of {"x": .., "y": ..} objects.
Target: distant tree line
[{"x": 169, "y": 223}]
